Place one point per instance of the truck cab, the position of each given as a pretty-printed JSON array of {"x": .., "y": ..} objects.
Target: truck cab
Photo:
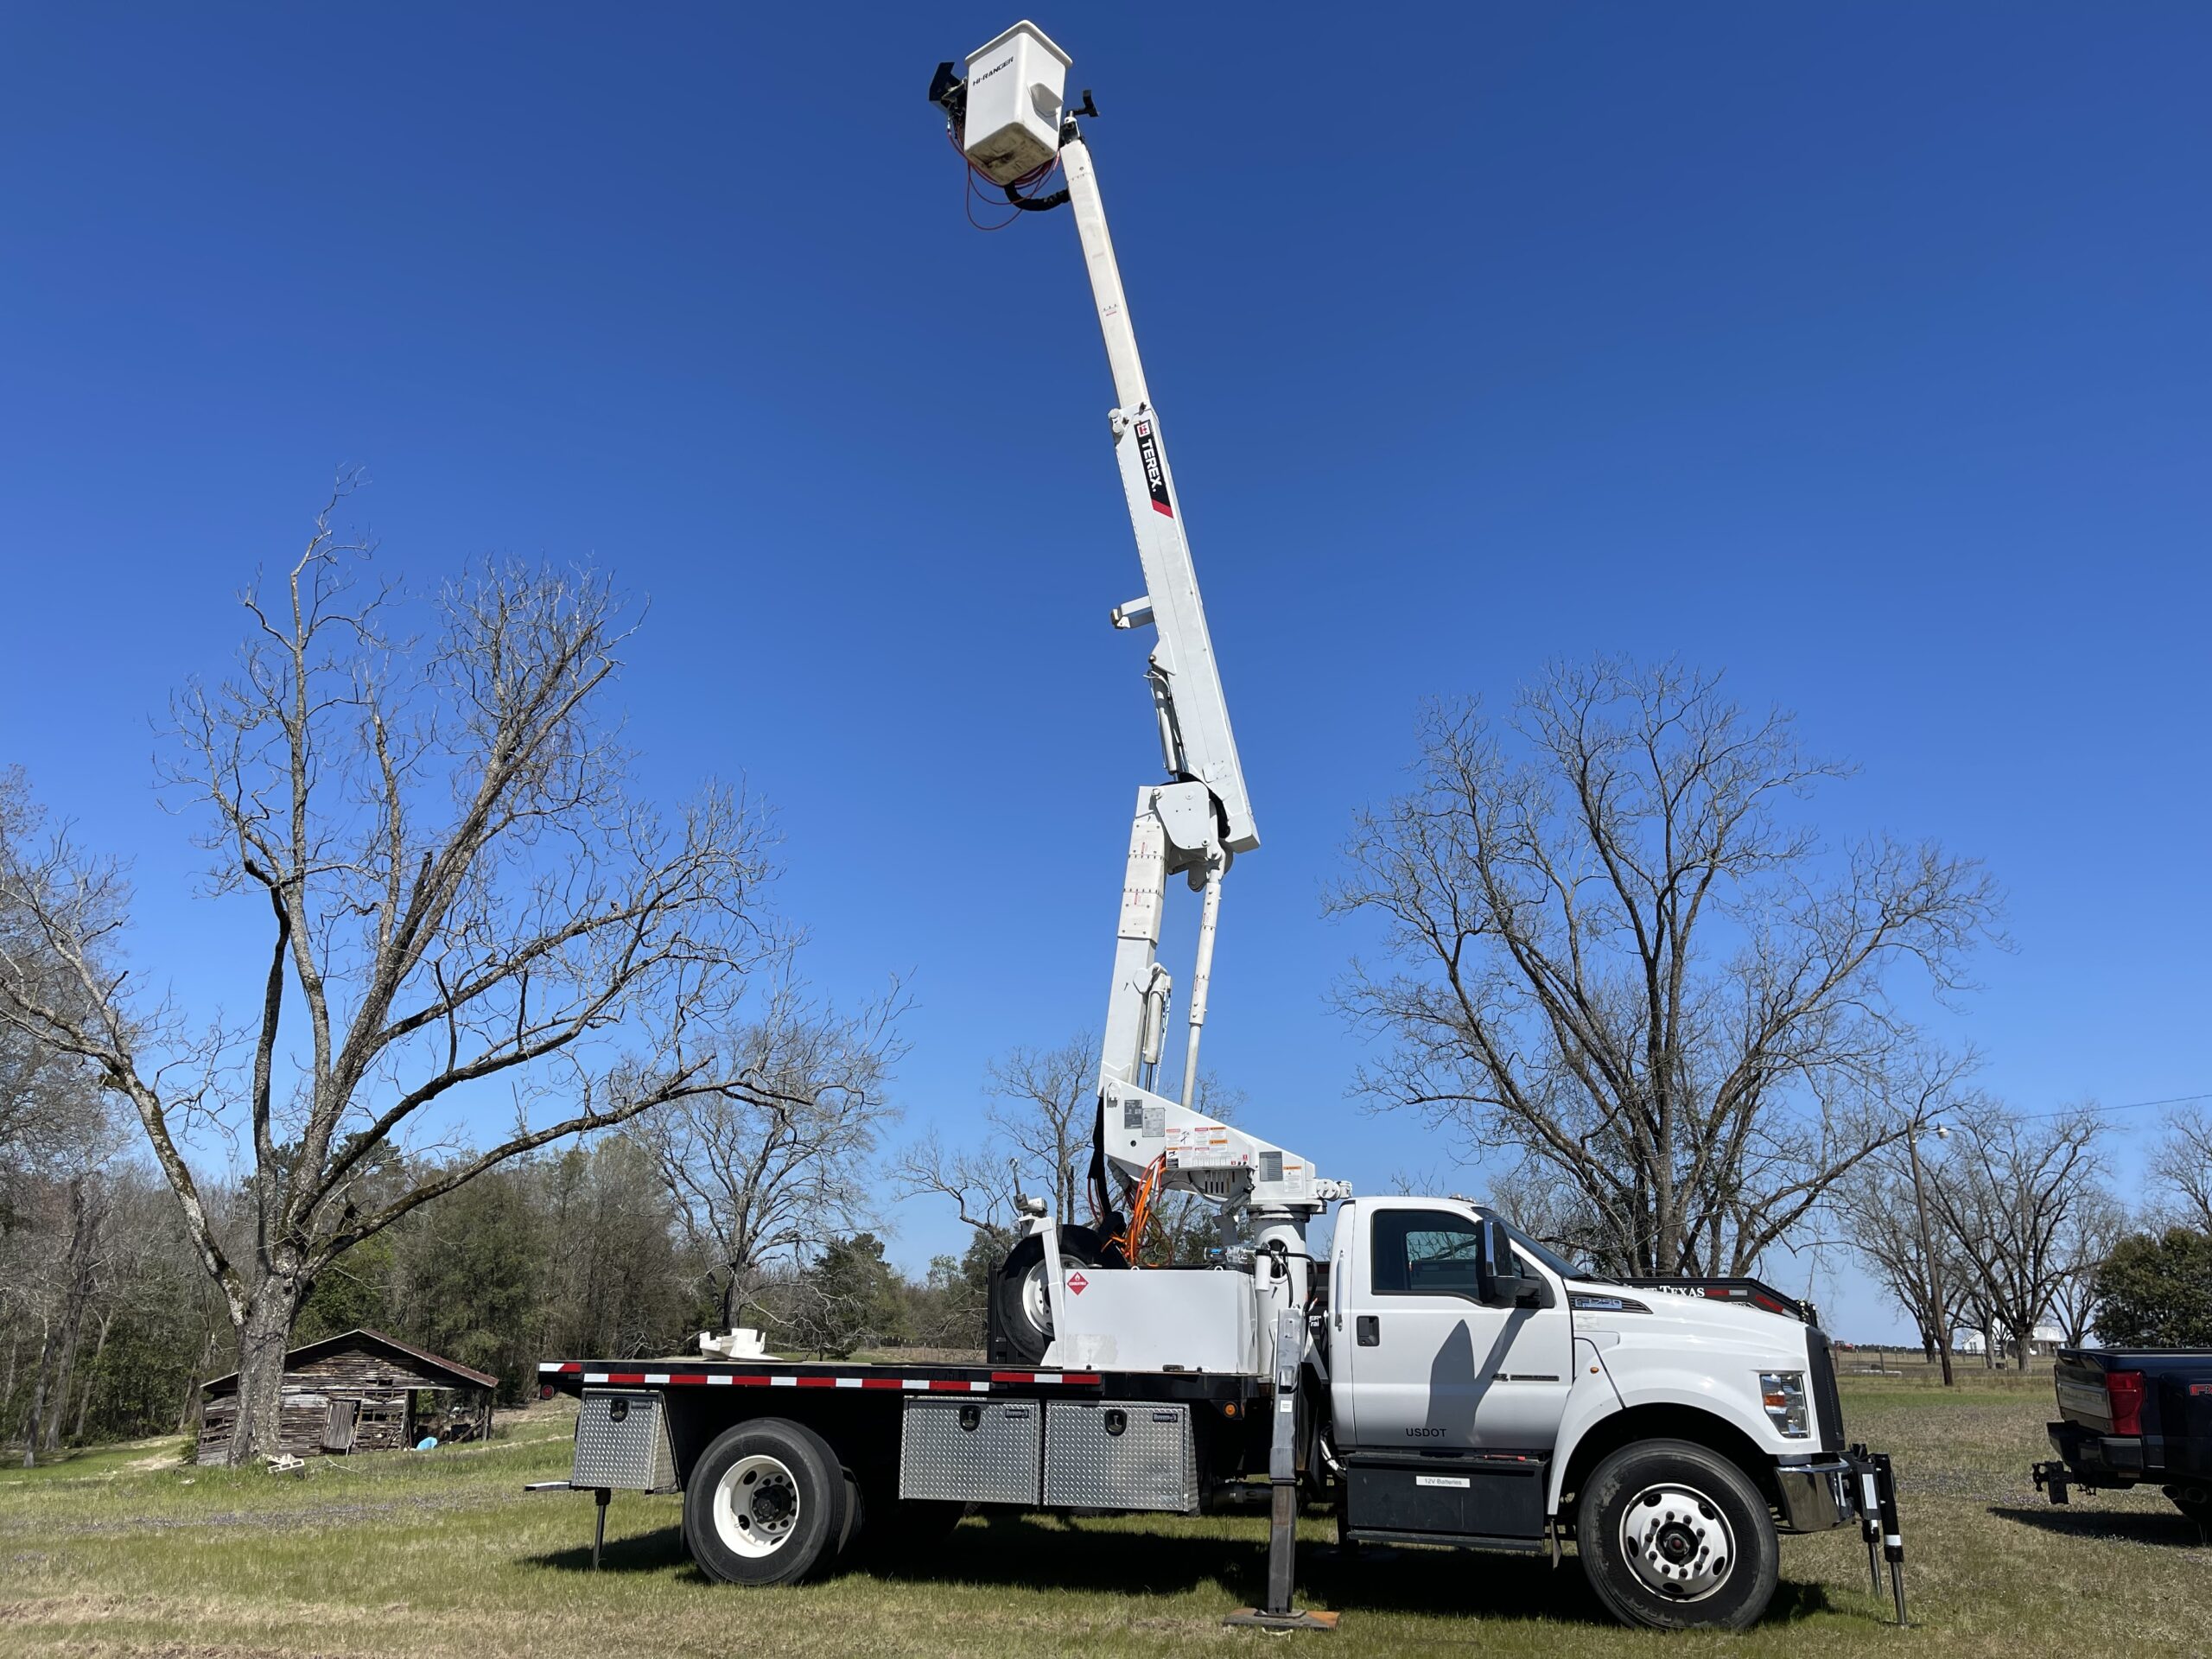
[{"x": 1481, "y": 1391}]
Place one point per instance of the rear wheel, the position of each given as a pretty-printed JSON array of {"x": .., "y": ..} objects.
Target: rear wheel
[
  {"x": 855, "y": 1516},
  {"x": 766, "y": 1504},
  {"x": 1674, "y": 1537},
  {"x": 2195, "y": 1502}
]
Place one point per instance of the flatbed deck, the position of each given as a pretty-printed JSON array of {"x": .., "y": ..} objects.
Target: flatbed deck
[{"x": 574, "y": 1376}]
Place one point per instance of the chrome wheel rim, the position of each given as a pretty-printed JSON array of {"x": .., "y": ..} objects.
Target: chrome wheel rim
[
  {"x": 756, "y": 1506},
  {"x": 1677, "y": 1543}
]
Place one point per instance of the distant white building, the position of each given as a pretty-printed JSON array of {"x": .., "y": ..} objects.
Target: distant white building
[{"x": 2046, "y": 1339}]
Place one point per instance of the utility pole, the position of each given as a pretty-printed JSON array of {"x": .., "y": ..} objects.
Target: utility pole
[{"x": 1928, "y": 1257}]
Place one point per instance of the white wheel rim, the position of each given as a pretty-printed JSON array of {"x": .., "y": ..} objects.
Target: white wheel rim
[
  {"x": 1036, "y": 1301},
  {"x": 1677, "y": 1543},
  {"x": 756, "y": 1506}
]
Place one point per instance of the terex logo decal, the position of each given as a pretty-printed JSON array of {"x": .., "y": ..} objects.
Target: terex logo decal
[
  {"x": 1077, "y": 1283},
  {"x": 1155, "y": 476}
]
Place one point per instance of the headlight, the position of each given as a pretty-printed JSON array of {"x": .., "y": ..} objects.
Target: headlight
[{"x": 1783, "y": 1395}]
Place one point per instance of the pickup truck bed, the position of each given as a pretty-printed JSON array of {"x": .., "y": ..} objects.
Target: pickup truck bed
[{"x": 2133, "y": 1416}]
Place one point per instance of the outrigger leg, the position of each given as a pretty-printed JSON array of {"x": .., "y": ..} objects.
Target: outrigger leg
[
  {"x": 1877, "y": 1493},
  {"x": 1282, "y": 1477}
]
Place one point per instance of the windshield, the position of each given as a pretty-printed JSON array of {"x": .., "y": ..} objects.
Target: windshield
[{"x": 1528, "y": 1246}]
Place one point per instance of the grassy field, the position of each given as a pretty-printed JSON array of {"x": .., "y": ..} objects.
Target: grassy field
[{"x": 125, "y": 1551}]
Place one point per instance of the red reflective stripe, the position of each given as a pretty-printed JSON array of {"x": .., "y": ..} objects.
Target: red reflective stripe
[
  {"x": 1012, "y": 1376},
  {"x": 882, "y": 1382},
  {"x": 817, "y": 1382},
  {"x": 626, "y": 1377},
  {"x": 936, "y": 1386},
  {"x": 1080, "y": 1376},
  {"x": 687, "y": 1377}
]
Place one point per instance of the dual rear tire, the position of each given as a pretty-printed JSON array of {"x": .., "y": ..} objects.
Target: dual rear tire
[{"x": 770, "y": 1501}]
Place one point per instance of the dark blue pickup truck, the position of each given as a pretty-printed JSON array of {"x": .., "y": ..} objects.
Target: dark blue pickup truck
[{"x": 2134, "y": 1416}]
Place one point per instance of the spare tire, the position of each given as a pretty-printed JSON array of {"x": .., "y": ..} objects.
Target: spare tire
[{"x": 1022, "y": 1307}]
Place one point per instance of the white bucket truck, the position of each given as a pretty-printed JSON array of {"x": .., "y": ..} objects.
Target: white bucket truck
[{"x": 1446, "y": 1381}]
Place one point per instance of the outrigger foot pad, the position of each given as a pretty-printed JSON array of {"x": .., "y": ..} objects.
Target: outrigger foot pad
[{"x": 1252, "y": 1617}]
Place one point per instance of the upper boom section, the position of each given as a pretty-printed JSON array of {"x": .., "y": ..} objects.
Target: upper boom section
[
  {"x": 1012, "y": 121},
  {"x": 1196, "y": 740}
]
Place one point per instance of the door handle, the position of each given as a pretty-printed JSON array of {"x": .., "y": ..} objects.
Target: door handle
[{"x": 1368, "y": 1328}]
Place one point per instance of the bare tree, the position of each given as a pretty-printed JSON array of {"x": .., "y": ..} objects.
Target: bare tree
[
  {"x": 766, "y": 1174},
  {"x": 87, "y": 1211},
  {"x": 1889, "y": 1218},
  {"x": 2095, "y": 1223},
  {"x": 1618, "y": 956},
  {"x": 2018, "y": 1194},
  {"x": 1923, "y": 1272},
  {"x": 1042, "y": 1107},
  {"x": 979, "y": 1182},
  {"x": 53, "y": 1112},
  {"x": 2181, "y": 1167},
  {"x": 1044, "y": 1102},
  {"x": 458, "y": 891}
]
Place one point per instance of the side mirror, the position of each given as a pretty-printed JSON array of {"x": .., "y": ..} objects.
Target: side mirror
[{"x": 1499, "y": 1279}]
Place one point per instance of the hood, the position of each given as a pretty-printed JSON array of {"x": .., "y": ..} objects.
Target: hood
[{"x": 1686, "y": 1314}]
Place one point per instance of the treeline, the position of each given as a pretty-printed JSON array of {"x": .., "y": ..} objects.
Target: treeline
[
  {"x": 698, "y": 1217},
  {"x": 1985, "y": 1220},
  {"x": 108, "y": 1326}
]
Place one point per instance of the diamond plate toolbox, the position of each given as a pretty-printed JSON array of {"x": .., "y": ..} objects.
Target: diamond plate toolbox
[
  {"x": 1119, "y": 1454},
  {"x": 970, "y": 1450},
  {"x": 622, "y": 1443}
]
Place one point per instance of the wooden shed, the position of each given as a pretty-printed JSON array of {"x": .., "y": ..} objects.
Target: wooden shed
[{"x": 359, "y": 1392}]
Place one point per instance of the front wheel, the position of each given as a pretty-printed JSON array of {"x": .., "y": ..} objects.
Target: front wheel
[
  {"x": 1674, "y": 1537},
  {"x": 766, "y": 1504}
]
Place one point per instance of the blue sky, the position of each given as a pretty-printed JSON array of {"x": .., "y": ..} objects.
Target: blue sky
[{"x": 1862, "y": 350}]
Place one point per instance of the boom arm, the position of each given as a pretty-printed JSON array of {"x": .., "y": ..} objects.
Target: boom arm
[
  {"x": 1195, "y": 743},
  {"x": 1194, "y": 826},
  {"x": 1008, "y": 115}
]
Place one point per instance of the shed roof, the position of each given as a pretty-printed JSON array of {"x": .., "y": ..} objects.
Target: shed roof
[{"x": 369, "y": 1341}]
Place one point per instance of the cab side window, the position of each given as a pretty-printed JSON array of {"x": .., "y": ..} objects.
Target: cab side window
[{"x": 1423, "y": 1253}]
